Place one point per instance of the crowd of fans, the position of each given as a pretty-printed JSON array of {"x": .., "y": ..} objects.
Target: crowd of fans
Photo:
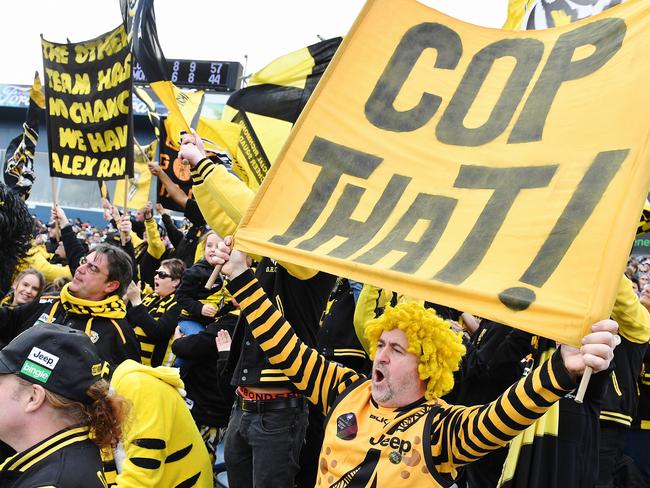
[
  {"x": 250, "y": 378},
  {"x": 638, "y": 271}
]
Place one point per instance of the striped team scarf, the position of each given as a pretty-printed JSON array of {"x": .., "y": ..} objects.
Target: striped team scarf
[{"x": 111, "y": 308}]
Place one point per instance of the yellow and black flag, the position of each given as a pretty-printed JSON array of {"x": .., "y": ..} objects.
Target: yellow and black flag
[
  {"x": 103, "y": 190},
  {"x": 140, "y": 20},
  {"x": 190, "y": 104},
  {"x": 268, "y": 107},
  {"x": 19, "y": 157},
  {"x": 139, "y": 185},
  {"x": 88, "y": 89},
  {"x": 644, "y": 221},
  {"x": 544, "y": 14},
  {"x": 154, "y": 116}
]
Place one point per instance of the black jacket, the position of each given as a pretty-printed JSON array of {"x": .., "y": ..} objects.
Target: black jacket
[
  {"x": 301, "y": 302},
  {"x": 492, "y": 363},
  {"x": 67, "y": 459},
  {"x": 337, "y": 339},
  {"x": 185, "y": 245},
  {"x": 642, "y": 419},
  {"x": 192, "y": 290},
  {"x": 622, "y": 395},
  {"x": 114, "y": 338},
  {"x": 208, "y": 398}
]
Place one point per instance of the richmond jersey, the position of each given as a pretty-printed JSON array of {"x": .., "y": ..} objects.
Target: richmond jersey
[
  {"x": 421, "y": 444},
  {"x": 369, "y": 445}
]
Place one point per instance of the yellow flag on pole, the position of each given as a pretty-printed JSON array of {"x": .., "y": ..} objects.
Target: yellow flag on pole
[
  {"x": 497, "y": 172},
  {"x": 140, "y": 184}
]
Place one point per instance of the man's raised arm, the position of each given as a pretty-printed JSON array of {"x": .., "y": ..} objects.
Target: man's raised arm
[
  {"x": 222, "y": 197},
  {"x": 320, "y": 380}
]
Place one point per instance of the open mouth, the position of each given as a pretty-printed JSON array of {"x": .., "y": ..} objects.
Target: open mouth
[{"x": 377, "y": 376}]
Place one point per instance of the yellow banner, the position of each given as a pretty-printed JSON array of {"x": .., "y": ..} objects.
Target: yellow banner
[
  {"x": 497, "y": 172},
  {"x": 184, "y": 108},
  {"x": 140, "y": 184},
  {"x": 218, "y": 135}
]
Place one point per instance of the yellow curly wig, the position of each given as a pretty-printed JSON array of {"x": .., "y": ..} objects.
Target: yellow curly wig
[{"x": 429, "y": 337}]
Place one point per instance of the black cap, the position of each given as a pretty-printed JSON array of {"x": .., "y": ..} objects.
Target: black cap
[{"x": 60, "y": 359}]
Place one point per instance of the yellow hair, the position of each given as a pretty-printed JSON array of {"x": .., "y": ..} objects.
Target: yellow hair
[{"x": 429, "y": 338}]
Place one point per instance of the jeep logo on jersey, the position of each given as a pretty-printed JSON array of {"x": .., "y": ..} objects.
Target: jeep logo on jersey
[
  {"x": 43, "y": 358},
  {"x": 402, "y": 446}
]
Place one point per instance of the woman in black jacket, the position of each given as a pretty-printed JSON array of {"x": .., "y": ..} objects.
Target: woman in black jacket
[{"x": 155, "y": 316}]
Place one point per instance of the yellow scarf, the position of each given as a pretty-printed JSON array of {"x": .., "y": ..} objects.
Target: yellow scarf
[{"x": 111, "y": 308}]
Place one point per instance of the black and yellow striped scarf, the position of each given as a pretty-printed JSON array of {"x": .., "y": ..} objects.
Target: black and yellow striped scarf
[{"x": 111, "y": 308}]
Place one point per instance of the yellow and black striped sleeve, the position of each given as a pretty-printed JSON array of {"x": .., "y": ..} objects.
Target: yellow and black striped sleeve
[
  {"x": 320, "y": 380},
  {"x": 460, "y": 435}
]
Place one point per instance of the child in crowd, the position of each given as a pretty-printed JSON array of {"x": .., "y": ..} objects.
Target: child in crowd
[
  {"x": 199, "y": 305},
  {"x": 26, "y": 288}
]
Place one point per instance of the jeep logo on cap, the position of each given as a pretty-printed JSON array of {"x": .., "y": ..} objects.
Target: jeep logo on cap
[{"x": 43, "y": 358}]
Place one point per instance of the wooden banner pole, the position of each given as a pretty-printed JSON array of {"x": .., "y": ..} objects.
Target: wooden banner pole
[
  {"x": 123, "y": 236},
  {"x": 584, "y": 382},
  {"x": 213, "y": 277},
  {"x": 57, "y": 230}
]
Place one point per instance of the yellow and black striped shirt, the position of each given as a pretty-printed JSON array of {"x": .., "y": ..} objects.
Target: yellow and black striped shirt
[{"x": 381, "y": 447}]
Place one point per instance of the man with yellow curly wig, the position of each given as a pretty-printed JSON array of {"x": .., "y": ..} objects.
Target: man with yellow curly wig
[{"x": 392, "y": 429}]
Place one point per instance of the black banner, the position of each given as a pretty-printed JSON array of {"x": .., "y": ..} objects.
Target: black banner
[{"x": 89, "y": 107}]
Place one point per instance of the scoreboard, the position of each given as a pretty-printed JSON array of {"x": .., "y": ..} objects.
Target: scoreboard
[{"x": 204, "y": 75}]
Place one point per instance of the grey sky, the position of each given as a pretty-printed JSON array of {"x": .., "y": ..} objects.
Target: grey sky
[{"x": 200, "y": 29}]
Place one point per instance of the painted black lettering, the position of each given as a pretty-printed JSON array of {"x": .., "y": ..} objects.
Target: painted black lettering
[
  {"x": 606, "y": 36},
  {"x": 434, "y": 209},
  {"x": 452, "y": 129},
  {"x": 573, "y": 218},
  {"x": 506, "y": 183},
  {"x": 380, "y": 110},
  {"x": 335, "y": 161},
  {"x": 588, "y": 193},
  {"x": 358, "y": 234}
]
